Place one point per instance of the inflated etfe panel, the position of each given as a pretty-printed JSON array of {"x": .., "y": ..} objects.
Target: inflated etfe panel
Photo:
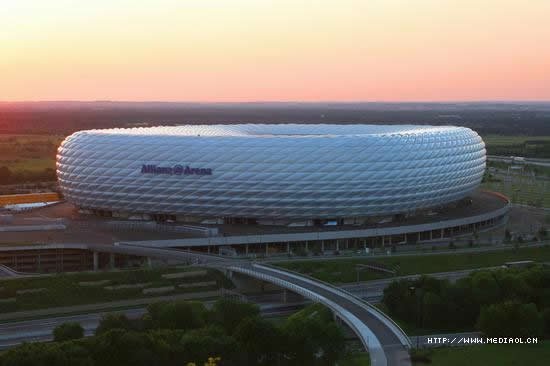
[{"x": 270, "y": 171}]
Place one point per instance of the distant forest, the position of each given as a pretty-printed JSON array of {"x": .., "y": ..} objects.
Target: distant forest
[{"x": 63, "y": 118}]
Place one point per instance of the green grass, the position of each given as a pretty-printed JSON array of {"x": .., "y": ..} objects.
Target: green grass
[
  {"x": 492, "y": 354},
  {"x": 64, "y": 289},
  {"x": 343, "y": 270}
]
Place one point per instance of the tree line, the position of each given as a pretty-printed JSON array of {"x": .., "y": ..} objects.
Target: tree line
[
  {"x": 65, "y": 118},
  {"x": 500, "y": 303},
  {"x": 183, "y": 333}
]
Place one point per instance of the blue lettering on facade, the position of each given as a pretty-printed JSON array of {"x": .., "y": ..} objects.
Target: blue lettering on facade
[{"x": 174, "y": 170}]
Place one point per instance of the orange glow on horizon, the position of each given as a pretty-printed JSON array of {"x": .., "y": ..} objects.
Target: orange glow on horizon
[{"x": 260, "y": 50}]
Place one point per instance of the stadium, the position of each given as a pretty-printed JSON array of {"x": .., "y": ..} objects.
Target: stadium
[{"x": 269, "y": 173}]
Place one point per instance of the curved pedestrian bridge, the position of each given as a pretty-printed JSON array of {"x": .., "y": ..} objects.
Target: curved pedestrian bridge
[{"x": 387, "y": 343}]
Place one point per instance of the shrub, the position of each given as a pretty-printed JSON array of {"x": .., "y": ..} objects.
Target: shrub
[
  {"x": 68, "y": 331},
  {"x": 229, "y": 313},
  {"x": 511, "y": 319},
  {"x": 112, "y": 321}
]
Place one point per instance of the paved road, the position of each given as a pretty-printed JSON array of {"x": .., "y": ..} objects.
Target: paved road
[
  {"x": 528, "y": 161},
  {"x": 40, "y": 330},
  {"x": 14, "y": 333},
  {"x": 396, "y": 353}
]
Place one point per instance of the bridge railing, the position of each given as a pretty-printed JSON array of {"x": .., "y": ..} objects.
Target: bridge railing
[{"x": 382, "y": 316}]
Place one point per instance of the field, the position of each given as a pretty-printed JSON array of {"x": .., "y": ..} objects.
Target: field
[
  {"x": 88, "y": 288},
  {"x": 527, "y": 146},
  {"x": 503, "y": 140},
  {"x": 28, "y": 152},
  {"x": 344, "y": 270},
  {"x": 492, "y": 354}
]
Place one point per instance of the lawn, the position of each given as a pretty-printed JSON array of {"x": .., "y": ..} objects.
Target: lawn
[
  {"x": 344, "y": 270},
  {"x": 68, "y": 289},
  {"x": 492, "y": 354}
]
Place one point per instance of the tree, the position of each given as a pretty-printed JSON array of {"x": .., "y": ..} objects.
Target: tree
[
  {"x": 461, "y": 304},
  {"x": 76, "y": 353},
  {"x": 32, "y": 354},
  {"x": 434, "y": 311},
  {"x": 485, "y": 289},
  {"x": 228, "y": 313},
  {"x": 177, "y": 315},
  {"x": 312, "y": 337},
  {"x": 167, "y": 344},
  {"x": 112, "y": 321},
  {"x": 513, "y": 285},
  {"x": 200, "y": 344},
  {"x": 120, "y": 347},
  {"x": 399, "y": 300},
  {"x": 511, "y": 319},
  {"x": 260, "y": 341},
  {"x": 537, "y": 287},
  {"x": 68, "y": 331},
  {"x": 546, "y": 319}
]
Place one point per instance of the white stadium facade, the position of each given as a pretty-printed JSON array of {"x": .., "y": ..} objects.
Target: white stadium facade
[
  {"x": 259, "y": 188},
  {"x": 269, "y": 173}
]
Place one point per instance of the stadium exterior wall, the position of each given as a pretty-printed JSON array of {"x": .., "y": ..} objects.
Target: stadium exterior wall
[{"x": 291, "y": 171}]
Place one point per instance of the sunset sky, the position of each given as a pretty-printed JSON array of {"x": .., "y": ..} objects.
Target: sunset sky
[{"x": 256, "y": 50}]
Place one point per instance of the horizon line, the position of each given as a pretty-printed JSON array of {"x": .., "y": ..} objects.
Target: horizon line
[{"x": 281, "y": 101}]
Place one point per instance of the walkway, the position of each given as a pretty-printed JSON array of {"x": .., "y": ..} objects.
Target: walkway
[{"x": 386, "y": 342}]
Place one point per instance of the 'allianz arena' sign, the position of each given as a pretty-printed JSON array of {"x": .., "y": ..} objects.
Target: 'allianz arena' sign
[{"x": 174, "y": 170}]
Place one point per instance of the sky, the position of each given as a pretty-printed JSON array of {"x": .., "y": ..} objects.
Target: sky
[{"x": 280, "y": 50}]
